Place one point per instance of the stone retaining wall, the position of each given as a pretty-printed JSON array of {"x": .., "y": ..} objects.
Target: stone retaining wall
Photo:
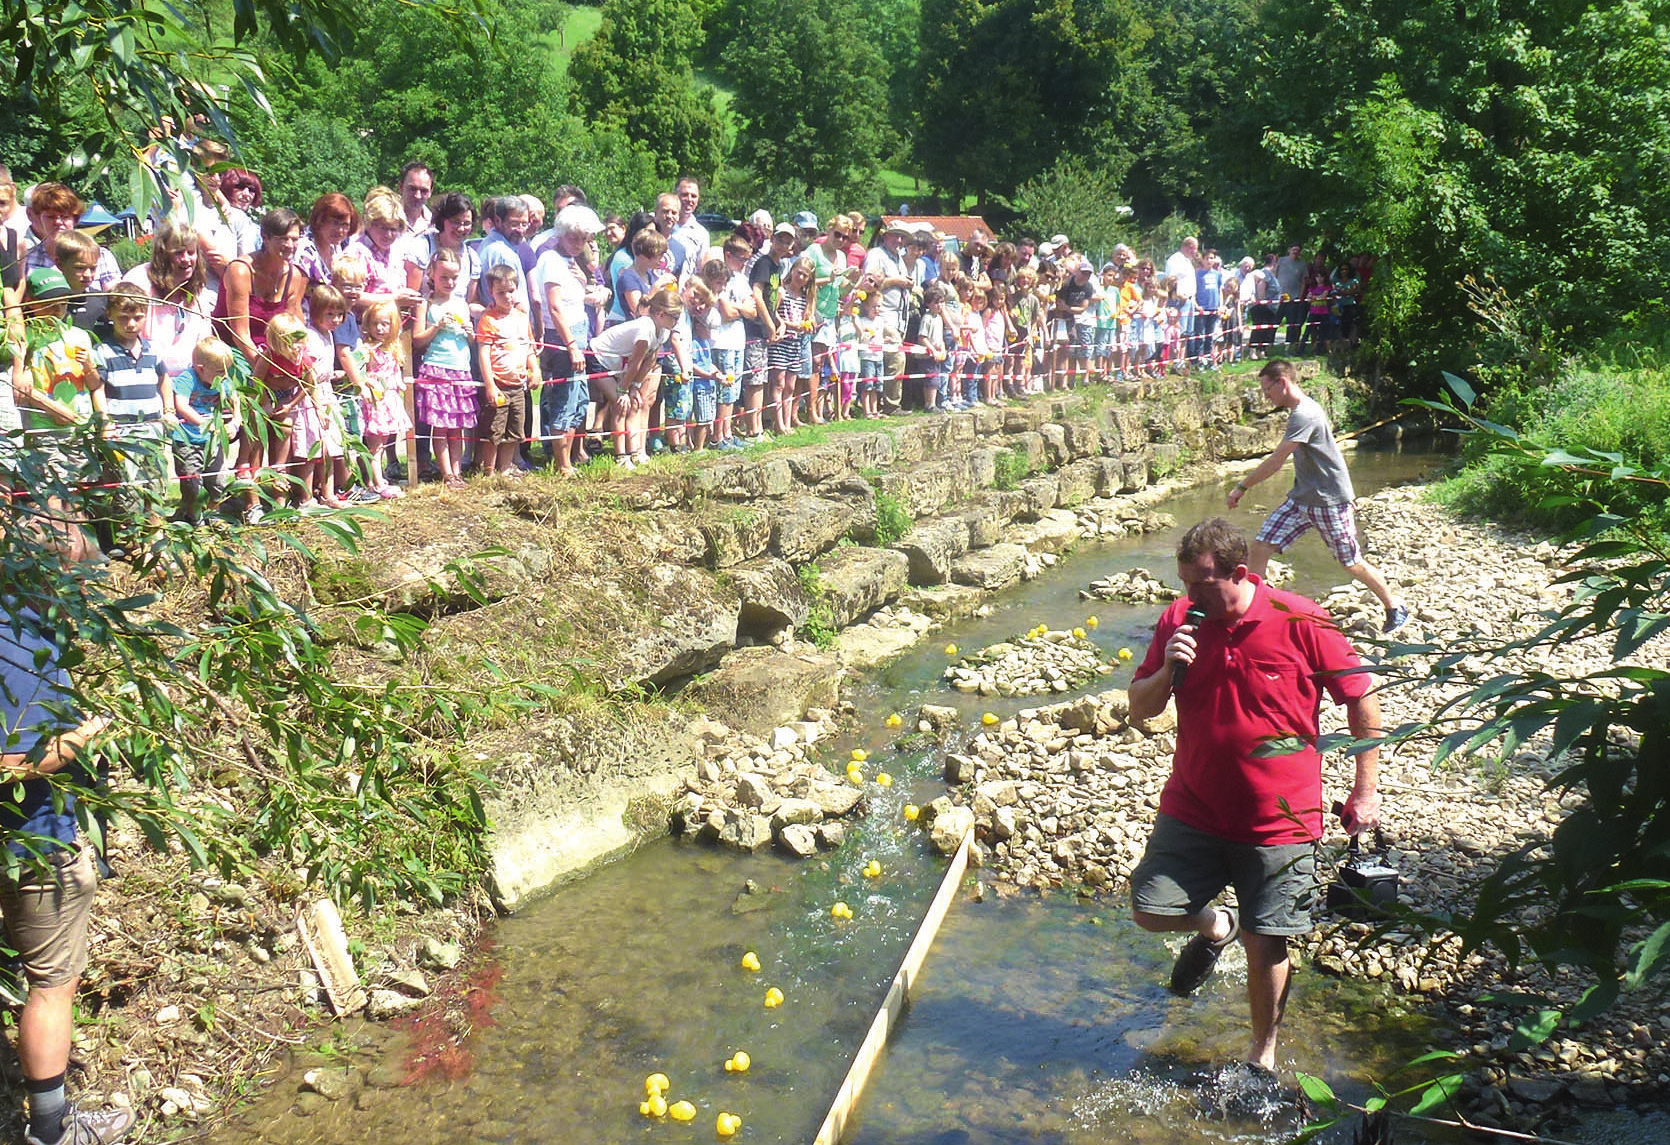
[{"x": 746, "y": 558}]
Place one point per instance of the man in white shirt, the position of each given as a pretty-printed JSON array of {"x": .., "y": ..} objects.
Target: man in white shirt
[
  {"x": 692, "y": 234},
  {"x": 884, "y": 264},
  {"x": 1181, "y": 266},
  {"x": 416, "y": 186}
]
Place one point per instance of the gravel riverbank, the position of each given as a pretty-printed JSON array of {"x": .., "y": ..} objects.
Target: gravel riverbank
[{"x": 1065, "y": 795}]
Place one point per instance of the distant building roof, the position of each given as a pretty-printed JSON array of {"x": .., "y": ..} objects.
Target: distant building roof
[{"x": 959, "y": 227}]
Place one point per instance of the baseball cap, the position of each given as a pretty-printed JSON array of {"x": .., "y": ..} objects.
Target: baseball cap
[
  {"x": 898, "y": 228},
  {"x": 806, "y": 220},
  {"x": 48, "y": 284},
  {"x": 1047, "y": 250},
  {"x": 1082, "y": 267},
  {"x": 784, "y": 229},
  {"x": 1059, "y": 241}
]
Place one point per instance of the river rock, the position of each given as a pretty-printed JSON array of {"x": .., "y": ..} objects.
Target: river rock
[
  {"x": 949, "y": 827},
  {"x": 753, "y": 790},
  {"x": 831, "y": 799},
  {"x": 799, "y": 840},
  {"x": 745, "y": 831},
  {"x": 795, "y": 811},
  {"x": 831, "y": 834},
  {"x": 385, "y": 1004},
  {"x": 1138, "y": 586},
  {"x": 438, "y": 955}
]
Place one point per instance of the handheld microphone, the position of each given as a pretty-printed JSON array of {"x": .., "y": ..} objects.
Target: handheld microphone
[{"x": 1195, "y": 617}]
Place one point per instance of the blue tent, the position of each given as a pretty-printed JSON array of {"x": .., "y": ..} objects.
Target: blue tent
[{"x": 95, "y": 216}]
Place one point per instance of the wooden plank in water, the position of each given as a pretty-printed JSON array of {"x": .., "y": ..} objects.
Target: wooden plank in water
[
  {"x": 898, "y": 996},
  {"x": 321, "y": 930}
]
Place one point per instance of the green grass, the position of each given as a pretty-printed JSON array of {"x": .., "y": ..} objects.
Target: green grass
[{"x": 581, "y": 25}]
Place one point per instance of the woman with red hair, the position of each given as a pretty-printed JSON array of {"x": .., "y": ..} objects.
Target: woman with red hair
[
  {"x": 240, "y": 191},
  {"x": 333, "y": 221}
]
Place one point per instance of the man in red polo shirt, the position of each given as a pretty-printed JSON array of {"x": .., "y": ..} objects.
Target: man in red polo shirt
[{"x": 1255, "y": 670}]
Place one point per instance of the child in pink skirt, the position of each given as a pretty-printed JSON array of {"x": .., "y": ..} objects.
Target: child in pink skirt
[
  {"x": 447, "y": 393},
  {"x": 383, "y": 409}
]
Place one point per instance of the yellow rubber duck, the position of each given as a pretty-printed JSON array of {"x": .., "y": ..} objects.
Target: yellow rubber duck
[
  {"x": 1091, "y": 622},
  {"x": 1125, "y": 653},
  {"x": 727, "y": 1124},
  {"x": 911, "y": 812},
  {"x": 856, "y": 777},
  {"x": 656, "y": 1083},
  {"x": 883, "y": 779},
  {"x": 840, "y": 910},
  {"x": 894, "y": 720},
  {"x": 950, "y": 649},
  {"x": 682, "y": 1111},
  {"x": 990, "y": 720},
  {"x": 872, "y": 869},
  {"x": 773, "y": 998},
  {"x": 739, "y": 1062},
  {"x": 859, "y": 755},
  {"x": 653, "y": 1106},
  {"x": 750, "y": 961},
  {"x": 1078, "y": 634}
]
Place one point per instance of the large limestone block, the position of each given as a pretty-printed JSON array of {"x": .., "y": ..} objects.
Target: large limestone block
[
  {"x": 931, "y": 545},
  {"x": 856, "y": 581},
  {"x": 1076, "y": 482},
  {"x": 692, "y": 627},
  {"x": 757, "y": 689},
  {"x": 806, "y": 526},
  {"x": 745, "y": 478},
  {"x": 772, "y": 597},
  {"x": 990, "y": 569}
]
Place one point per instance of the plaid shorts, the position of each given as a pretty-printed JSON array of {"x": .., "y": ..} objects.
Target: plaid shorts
[{"x": 1336, "y": 523}]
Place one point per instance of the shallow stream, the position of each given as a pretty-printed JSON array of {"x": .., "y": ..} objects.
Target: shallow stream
[{"x": 1037, "y": 1019}]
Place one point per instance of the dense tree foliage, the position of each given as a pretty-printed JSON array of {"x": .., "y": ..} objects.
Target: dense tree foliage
[
  {"x": 811, "y": 97},
  {"x": 1516, "y": 142},
  {"x": 1007, "y": 87},
  {"x": 635, "y": 75},
  {"x": 487, "y": 117}
]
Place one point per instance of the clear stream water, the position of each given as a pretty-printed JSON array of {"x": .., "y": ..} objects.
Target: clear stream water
[{"x": 1037, "y": 1019}]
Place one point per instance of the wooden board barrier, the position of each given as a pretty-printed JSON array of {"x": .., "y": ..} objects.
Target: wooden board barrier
[{"x": 898, "y": 996}]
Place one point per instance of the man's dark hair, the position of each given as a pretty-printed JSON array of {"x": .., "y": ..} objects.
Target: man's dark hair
[
  {"x": 414, "y": 165},
  {"x": 1278, "y": 368},
  {"x": 452, "y": 205},
  {"x": 571, "y": 192},
  {"x": 1217, "y": 538},
  {"x": 501, "y": 207}
]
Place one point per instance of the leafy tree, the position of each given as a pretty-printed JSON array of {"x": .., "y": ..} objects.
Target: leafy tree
[
  {"x": 487, "y": 120},
  {"x": 1509, "y": 141},
  {"x": 1078, "y": 200},
  {"x": 810, "y": 94},
  {"x": 112, "y": 68},
  {"x": 1190, "y": 64},
  {"x": 1007, "y": 87},
  {"x": 635, "y": 75}
]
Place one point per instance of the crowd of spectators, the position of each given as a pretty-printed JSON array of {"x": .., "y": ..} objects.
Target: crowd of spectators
[{"x": 293, "y": 351}]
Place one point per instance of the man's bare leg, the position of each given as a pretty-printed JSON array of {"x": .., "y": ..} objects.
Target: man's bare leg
[
  {"x": 1268, "y": 978},
  {"x": 1258, "y": 557},
  {"x": 1371, "y": 578}
]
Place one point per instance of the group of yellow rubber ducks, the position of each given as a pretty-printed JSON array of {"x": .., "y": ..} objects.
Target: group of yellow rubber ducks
[
  {"x": 655, "y": 1104},
  {"x": 855, "y": 769}
]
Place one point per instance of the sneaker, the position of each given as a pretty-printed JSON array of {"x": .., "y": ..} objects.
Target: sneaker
[
  {"x": 1396, "y": 618},
  {"x": 1197, "y": 958},
  {"x": 89, "y": 1127},
  {"x": 360, "y": 495},
  {"x": 253, "y": 515}
]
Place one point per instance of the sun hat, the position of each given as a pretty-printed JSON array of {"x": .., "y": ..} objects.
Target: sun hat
[{"x": 806, "y": 220}]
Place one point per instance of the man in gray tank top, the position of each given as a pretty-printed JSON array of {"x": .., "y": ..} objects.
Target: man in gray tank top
[{"x": 1321, "y": 497}]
